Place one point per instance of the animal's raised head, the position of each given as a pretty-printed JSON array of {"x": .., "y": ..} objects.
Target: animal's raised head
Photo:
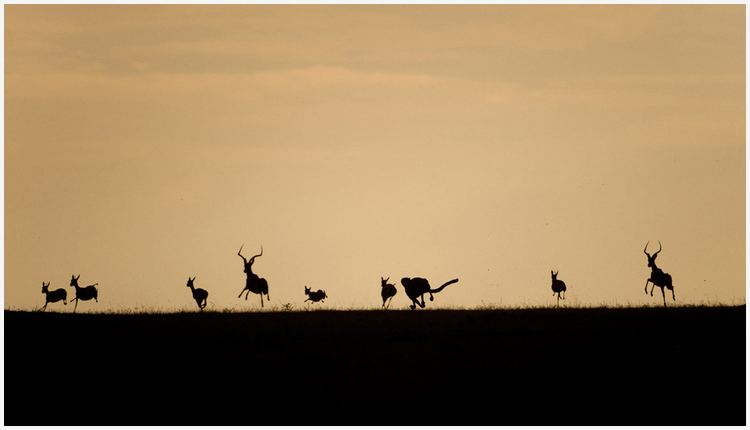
[
  {"x": 651, "y": 258},
  {"x": 384, "y": 282},
  {"x": 45, "y": 287},
  {"x": 554, "y": 275},
  {"x": 307, "y": 290},
  {"x": 74, "y": 280},
  {"x": 190, "y": 281}
]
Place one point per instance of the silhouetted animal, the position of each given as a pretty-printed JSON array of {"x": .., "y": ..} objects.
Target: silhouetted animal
[
  {"x": 658, "y": 277},
  {"x": 253, "y": 283},
  {"x": 199, "y": 294},
  {"x": 558, "y": 287},
  {"x": 315, "y": 296},
  {"x": 387, "y": 291},
  {"x": 416, "y": 288},
  {"x": 86, "y": 293},
  {"x": 53, "y": 296}
]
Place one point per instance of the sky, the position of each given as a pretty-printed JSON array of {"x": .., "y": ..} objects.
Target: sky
[{"x": 145, "y": 144}]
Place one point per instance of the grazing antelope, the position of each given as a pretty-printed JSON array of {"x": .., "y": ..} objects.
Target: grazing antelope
[
  {"x": 253, "y": 284},
  {"x": 416, "y": 288},
  {"x": 658, "y": 277},
  {"x": 315, "y": 296},
  {"x": 199, "y": 294},
  {"x": 387, "y": 291},
  {"x": 86, "y": 293},
  {"x": 558, "y": 287},
  {"x": 53, "y": 296}
]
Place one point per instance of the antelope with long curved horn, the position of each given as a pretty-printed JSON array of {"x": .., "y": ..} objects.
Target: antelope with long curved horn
[
  {"x": 658, "y": 277},
  {"x": 254, "y": 284}
]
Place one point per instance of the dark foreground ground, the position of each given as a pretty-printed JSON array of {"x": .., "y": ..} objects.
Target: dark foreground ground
[{"x": 682, "y": 366}]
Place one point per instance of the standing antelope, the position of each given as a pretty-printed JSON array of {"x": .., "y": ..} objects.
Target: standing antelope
[
  {"x": 387, "y": 291},
  {"x": 658, "y": 277},
  {"x": 199, "y": 294},
  {"x": 253, "y": 284},
  {"x": 315, "y": 296},
  {"x": 86, "y": 293},
  {"x": 416, "y": 288},
  {"x": 558, "y": 287},
  {"x": 53, "y": 296}
]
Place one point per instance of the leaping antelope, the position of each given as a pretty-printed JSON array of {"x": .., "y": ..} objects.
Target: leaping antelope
[
  {"x": 53, "y": 296},
  {"x": 558, "y": 287},
  {"x": 254, "y": 284},
  {"x": 86, "y": 293},
  {"x": 199, "y": 294},
  {"x": 315, "y": 296},
  {"x": 416, "y": 288},
  {"x": 387, "y": 291},
  {"x": 658, "y": 277}
]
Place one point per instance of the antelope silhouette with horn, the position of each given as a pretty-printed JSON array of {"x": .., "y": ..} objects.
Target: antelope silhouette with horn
[
  {"x": 53, "y": 296},
  {"x": 254, "y": 284},
  {"x": 558, "y": 287},
  {"x": 86, "y": 293},
  {"x": 199, "y": 294},
  {"x": 315, "y": 296},
  {"x": 387, "y": 291},
  {"x": 658, "y": 277},
  {"x": 416, "y": 288}
]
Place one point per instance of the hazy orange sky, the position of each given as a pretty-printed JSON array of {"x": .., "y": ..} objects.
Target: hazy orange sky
[{"x": 145, "y": 144}]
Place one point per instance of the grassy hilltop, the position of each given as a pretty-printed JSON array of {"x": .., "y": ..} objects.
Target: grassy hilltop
[{"x": 678, "y": 366}]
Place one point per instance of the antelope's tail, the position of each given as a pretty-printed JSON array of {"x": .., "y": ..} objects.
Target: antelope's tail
[{"x": 440, "y": 288}]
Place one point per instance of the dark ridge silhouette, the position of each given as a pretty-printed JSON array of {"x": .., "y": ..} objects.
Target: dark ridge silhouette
[
  {"x": 86, "y": 293},
  {"x": 387, "y": 291},
  {"x": 315, "y": 296},
  {"x": 416, "y": 288},
  {"x": 558, "y": 287},
  {"x": 199, "y": 294},
  {"x": 53, "y": 296},
  {"x": 658, "y": 277},
  {"x": 473, "y": 367},
  {"x": 254, "y": 284}
]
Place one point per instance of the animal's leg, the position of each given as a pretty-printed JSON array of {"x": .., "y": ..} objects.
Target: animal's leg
[
  {"x": 65, "y": 302},
  {"x": 563, "y": 294},
  {"x": 645, "y": 288},
  {"x": 241, "y": 293},
  {"x": 76, "y": 306},
  {"x": 44, "y": 307},
  {"x": 261, "y": 300},
  {"x": 422, "y": 297},
  {"x": 558, "y": 300},
  {"x": 247, "y": 294},
  {"x": 389, "y": 302},
  {"x": 652, "y": 289},
  {"x": 673, "y": 299}
]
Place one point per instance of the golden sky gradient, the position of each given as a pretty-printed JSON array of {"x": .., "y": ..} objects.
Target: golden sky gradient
[{"x": 145, "y": 144}]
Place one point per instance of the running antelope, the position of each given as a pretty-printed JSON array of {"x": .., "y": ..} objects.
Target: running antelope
[
  {"x": 53, "y": 296},
  {"x": 315, "y": 296},
  {"x": 85, "y": 293},
  {"x": 199, "y": 294},
  {"x": 658, "y": 277},
  {"x": 387, "y": 291},
  {"x": 416, "y": 288},
  {"x": 558, "y": 287},
  {"x": 253, "y": 284}
]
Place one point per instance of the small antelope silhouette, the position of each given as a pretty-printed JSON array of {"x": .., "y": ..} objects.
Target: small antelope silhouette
[
  {"x": 315, "y": 296},
  {"x": 416, "y": 288},
  {"x": 53, "y": 296},
  {"x": 253, "y": 284},
  {"x": 86, "y": 293},
  {"x": 558, "y": 286},
  {"x": 199, "y": 294},
  {"x": 658, "y": 277},
  {"x": 387, "y": 291}
]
